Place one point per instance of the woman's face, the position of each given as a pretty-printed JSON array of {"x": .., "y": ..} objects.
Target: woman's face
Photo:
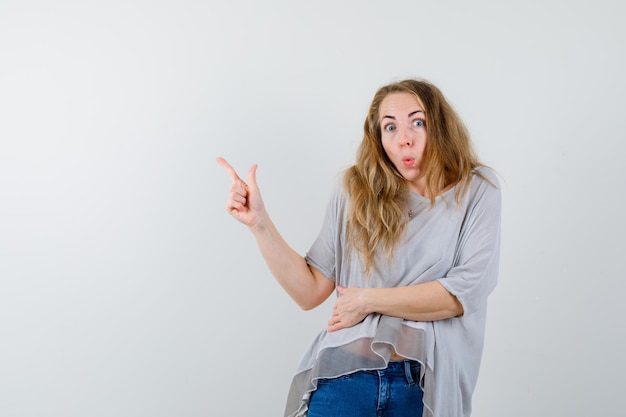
[{"x": 403, "y": 135}]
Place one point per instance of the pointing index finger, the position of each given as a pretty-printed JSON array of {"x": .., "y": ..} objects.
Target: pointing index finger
[{"x": 229, "y": 170}]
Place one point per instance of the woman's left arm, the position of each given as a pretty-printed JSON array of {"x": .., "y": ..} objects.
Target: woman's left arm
[
  {"x": 463, "y": 290},
  {"x": 429, "y": 301}
]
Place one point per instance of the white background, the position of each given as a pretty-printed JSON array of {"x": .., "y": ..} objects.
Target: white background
[{"x": 127, "y": 290}]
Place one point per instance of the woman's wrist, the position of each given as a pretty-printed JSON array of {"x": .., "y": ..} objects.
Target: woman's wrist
[{"x": 368, "y": 297}]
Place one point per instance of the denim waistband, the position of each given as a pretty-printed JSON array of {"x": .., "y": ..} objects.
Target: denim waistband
[{"x": 407, "y": 368}]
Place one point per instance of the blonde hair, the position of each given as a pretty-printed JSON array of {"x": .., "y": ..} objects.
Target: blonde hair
[{"x": 377, "y": 215}]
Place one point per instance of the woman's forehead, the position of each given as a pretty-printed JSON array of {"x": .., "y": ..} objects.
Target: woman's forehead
[{"x": 398, "y": 103}]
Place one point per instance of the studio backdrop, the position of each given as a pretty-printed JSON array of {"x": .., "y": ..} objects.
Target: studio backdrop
[{"x": 126, "y": 289}]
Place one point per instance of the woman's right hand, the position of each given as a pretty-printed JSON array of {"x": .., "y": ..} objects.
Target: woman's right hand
[
  {"x": 305, "y": 285},
  {"x": 244, "y": 202}
]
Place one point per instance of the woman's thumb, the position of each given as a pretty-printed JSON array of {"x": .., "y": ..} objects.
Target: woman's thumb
[{"x": 252, "y": 176}]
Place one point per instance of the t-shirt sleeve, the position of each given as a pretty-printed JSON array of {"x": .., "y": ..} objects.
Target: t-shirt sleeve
[
  {"x": 477, "y": 256},
  {"x": 324, "y": 251}
]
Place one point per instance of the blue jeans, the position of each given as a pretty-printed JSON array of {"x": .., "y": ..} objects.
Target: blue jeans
[{"x": 390, "y": 392}]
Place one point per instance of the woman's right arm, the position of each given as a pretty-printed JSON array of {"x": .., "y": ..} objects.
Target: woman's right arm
[{"x": 305, "y": 285}]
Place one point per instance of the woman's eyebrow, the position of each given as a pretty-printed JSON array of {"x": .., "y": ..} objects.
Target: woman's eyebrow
[{"x": 410, "y": 114}]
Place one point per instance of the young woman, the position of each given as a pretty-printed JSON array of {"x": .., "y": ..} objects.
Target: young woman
[{"x": 410, "y": 243}]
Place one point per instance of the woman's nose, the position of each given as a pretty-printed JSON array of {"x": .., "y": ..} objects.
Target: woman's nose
[{"x": 404, "y": 136}]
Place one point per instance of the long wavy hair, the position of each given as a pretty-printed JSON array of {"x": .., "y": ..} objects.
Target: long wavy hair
[{"x": 377, "y": 214}]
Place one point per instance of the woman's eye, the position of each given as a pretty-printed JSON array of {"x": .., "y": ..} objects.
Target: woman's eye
[
  {"x": 390, "y": 128},
  {"x": 418, "y": 123}
]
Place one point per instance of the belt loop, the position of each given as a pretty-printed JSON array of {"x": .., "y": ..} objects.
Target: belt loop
[{"x": 407, "y": 372}]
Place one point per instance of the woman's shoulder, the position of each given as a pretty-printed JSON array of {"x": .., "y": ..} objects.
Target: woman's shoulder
[
  {"x": 485, "y": 187},
  {"x": 485, "y": 175}
]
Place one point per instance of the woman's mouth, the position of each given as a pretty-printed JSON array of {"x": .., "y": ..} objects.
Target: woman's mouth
[{"x": 408, "y": 161}]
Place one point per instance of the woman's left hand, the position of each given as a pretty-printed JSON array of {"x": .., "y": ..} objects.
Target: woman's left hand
[{"x": 349, "y": 308}]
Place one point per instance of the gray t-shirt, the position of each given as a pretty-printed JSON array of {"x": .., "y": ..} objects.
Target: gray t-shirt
[{"x": 456, "y": 244}]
